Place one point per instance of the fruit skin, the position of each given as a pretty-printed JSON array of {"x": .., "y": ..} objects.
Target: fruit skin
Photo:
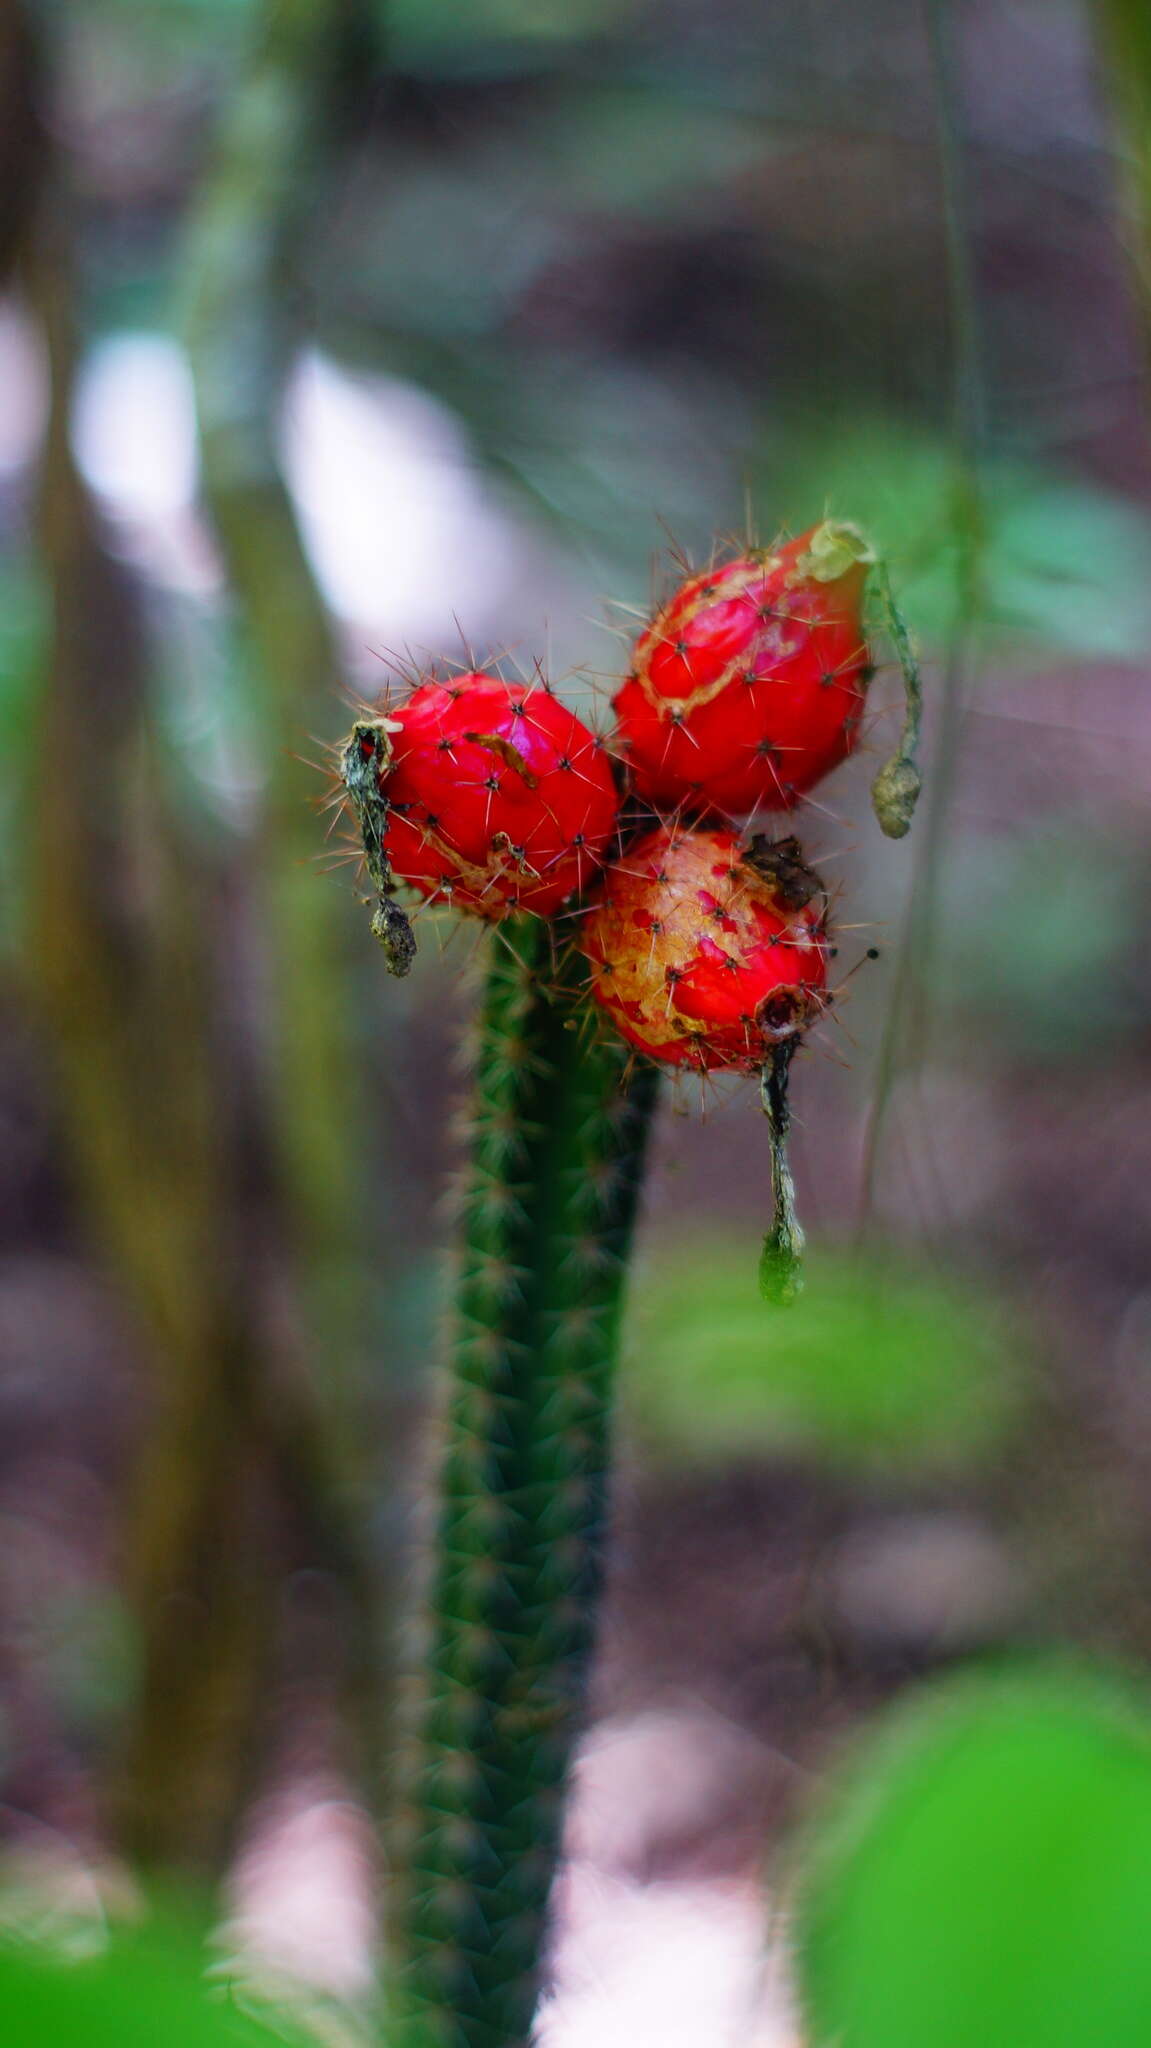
[
  {"x": 749, "y": 683},
  {"x": 708, "y": 952},
  {"x": 498, "y": 796}
]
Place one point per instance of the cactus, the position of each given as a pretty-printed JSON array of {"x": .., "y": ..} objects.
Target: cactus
[{"x": 558, "y": 1136}]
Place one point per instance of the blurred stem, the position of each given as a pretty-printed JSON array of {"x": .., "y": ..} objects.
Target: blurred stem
[
  {"x": 1125, "y": 35},
  {"x": 118, "y": 961},
  {"x": 906, "y": 1032},
  {"x": 308, "y": 65},
  {"x": 23, "y": 144},
  {"x": 119, "y": 955},
  {"x": 560, "y": 1125}
]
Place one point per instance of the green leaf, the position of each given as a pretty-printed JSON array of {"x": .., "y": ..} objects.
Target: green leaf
[
  {"x": 1064, "y": 564},
  {"x": 146, "y": 1990},
  {"x": 874, "y": 1364},
  {"x": 981, "y": 1876}
]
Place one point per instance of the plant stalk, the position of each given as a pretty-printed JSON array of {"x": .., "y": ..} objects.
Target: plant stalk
[
  {"x": 308, "y": 70},
  {"x": 558, "y": 1137},
  {"x": 1124, "y": 28}
]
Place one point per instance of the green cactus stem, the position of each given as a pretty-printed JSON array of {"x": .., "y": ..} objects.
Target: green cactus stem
[{"x": 560, "y": 1123}]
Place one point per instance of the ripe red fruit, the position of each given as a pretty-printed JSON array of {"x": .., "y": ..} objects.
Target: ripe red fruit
[
  {"x": 748, "y": 685},
  {"x": 498, "y": 796},
  {"x": 707, "y": 952}
]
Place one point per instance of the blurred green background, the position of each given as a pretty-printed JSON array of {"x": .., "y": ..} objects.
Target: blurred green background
[{"x": 337, "y": 337}]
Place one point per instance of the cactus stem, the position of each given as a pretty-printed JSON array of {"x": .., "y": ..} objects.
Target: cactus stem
[{"x": 523, "y": 1484}]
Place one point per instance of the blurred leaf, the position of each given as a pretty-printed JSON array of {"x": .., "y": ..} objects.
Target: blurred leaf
[
  {"x": 1066, "y": 564},
  {"x": 871, "y": 1364},
  {"x": 1043, "y": 934},
  {"x": 981, "y": 1877},
  {"x": 143, "y": 15},
  {"x": 632, "y": 149},
  {"x": 145, "y": 1991},
  {"x": 1073, "y": 566},
  {"x": 424, "y": 26}
]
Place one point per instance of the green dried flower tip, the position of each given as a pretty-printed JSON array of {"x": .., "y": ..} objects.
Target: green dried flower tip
[
  {"x": 834, "y": 548},
  {"x": 894, "y": 795}
]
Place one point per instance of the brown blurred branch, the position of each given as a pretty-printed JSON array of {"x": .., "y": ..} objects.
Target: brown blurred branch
[
  {"x": 120, "y": 958},
  {"x": 279, "y": 139},
  {"x": 239, "y": 281}
]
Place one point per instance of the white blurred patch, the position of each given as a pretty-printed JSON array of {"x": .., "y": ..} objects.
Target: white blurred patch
[
  {"x": 402, "y": 533},
  {"x": 134, "y": 427},
  {"x": 54, "y": 1898},
  {"x": 301, "y": 1934},
  {"x": 664, "y": 1966},
  {"x": 404, "y": 536},
  {"x": 645, "y": 1782},
  {"x": 656, "y": 1965},
  {"x": 134, "y": 439}
]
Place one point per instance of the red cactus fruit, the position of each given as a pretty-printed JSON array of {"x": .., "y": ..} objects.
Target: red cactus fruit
[
  {"x": 748, "y": 685},
  {"x": 498, "y": 796},
  {"x": 705, "y": 951}
]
